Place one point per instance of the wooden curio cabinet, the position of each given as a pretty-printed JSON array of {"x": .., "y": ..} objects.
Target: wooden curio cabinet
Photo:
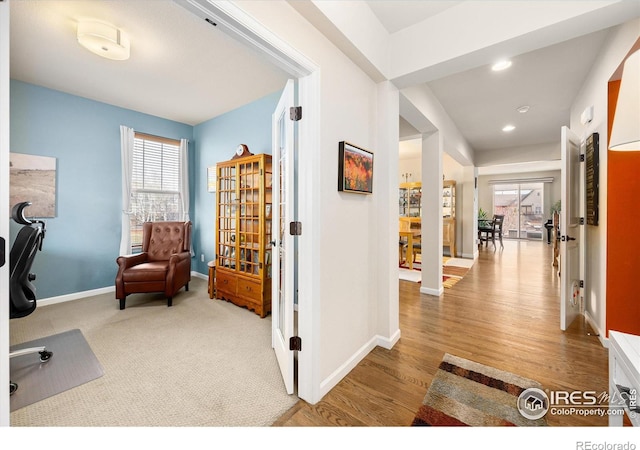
[
  {"x": 410, "y": 200},
  {"x": 243, "y": 238},
  {"x": 449, "y": 216}
]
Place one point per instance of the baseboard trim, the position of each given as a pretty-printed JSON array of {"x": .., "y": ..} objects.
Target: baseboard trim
[
  {"x": 75, "y": 296},
  {"x": 429, "y": 291},
  {"x": 332, "y": 380},
  {"x": 592, "y": 323},
  {"x": 200, "y": 275},
  {"x": 388, "y": 342},
  {"x": 91, "y": 293}
]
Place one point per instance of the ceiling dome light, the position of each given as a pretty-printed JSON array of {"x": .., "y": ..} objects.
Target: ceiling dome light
[
  {"x": 104, "y": 40},
  {"x": 501, "y": 65},
  {"x": 508, "y": 128},
  {"x": 523, "y": 109}
]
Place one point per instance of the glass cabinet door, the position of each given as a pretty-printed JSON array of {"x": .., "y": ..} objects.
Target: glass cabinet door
[
  {"x": 449, "y": 200},
  {"x": 249, "y": 217},
  {"x": 410, "y": 200},
  {"x": 268, "y": 182},
  {"x": 244, "y": 216},
  {"x": 227, "y": 203}
]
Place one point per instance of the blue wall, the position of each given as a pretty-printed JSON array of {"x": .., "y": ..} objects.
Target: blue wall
[
  {"x": 83, "y": 240},
  {"x": 217, "y": 140}
]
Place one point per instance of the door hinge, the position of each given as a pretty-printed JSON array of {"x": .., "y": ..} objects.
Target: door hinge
[
  {"x": 581, "y": 283},
  {"x": 295, "y": 343},
  {"x": 581, "y": 220},
  {"x": 582, "y": 157},
  {"x": 295, "y": 113},
  {"x": 295, "y": 228}
]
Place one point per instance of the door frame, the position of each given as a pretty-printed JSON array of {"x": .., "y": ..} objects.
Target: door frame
[
  {"x": 4, "y": 206},
  {"x": 234, "y": 21}
]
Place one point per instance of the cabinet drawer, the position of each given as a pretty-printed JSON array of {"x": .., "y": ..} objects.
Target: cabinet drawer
[
  {"x": 250, "y": 289},
  {"x": 226, "y": 282}
]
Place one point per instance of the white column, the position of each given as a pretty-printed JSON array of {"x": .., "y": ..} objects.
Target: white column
[
  {"x": 467, "y": 213},
  {"x": 385, "y": 167},
  {"x": 432, "y": 147}
]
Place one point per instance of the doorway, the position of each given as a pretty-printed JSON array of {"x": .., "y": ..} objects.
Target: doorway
[{"x": 234, "y": 21}]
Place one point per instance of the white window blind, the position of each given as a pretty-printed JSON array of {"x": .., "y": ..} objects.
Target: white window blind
[
  {"x": 155, "y": 165},
  {"x": 155, "y": 183}
]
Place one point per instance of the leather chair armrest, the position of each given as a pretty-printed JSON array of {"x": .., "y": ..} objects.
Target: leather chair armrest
[
  {"x": 179, "y": 272},
  {"x": 126, "y": 261},
  {"x": 176, "y": 258}
]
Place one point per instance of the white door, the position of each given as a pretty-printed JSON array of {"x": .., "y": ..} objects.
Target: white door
[
  {"x": 282, "y": 297},
  {"x": 4, "y": 207},
  {"x": 572, "y": 239}
]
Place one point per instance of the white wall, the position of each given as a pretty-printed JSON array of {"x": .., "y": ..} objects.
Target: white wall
[
  {"x": 411, "y": 166},
  {"x": 594, "y": 93},
  {"x": 351, "y": 315},
  {"x": 548, "y": 152}
]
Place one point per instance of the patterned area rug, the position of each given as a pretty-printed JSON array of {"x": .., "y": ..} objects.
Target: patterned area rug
[
  {"x": 466, "y": 393},
  {"x": 453, "y": 270}
]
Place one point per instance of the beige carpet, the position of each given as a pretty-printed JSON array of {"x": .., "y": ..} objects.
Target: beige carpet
[{"x": 201, "y": 362}]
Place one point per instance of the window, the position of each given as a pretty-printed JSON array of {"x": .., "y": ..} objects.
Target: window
[
  {"x": 155, "y": 183},
  {"x": 522, "y": 205}
]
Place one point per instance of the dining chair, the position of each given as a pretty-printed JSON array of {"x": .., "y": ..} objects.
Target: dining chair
[{"x": 492, "y": 231}]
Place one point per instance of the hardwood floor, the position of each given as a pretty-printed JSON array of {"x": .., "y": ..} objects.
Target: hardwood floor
[{"x": 504, "y": 313}]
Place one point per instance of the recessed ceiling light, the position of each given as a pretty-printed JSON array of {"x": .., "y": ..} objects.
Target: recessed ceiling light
[
  {"x": 523, "y": 109},
  {"x": 508, "y": 128},
  {"x": 501, "y": 65}
]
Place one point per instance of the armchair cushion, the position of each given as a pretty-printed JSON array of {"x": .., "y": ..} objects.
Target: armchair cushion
[{"x": 151, "y": 271}]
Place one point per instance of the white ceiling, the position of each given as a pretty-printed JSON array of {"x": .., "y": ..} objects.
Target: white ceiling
[
  {"x": 184, "y": 69},
  {"x": 481, "y": 102},
  {"x": 181, "y": 68},
  {"x": 399, "y": 14}
]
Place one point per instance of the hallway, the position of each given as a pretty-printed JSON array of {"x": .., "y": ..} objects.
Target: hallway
[{"x": 504, "y": 313}]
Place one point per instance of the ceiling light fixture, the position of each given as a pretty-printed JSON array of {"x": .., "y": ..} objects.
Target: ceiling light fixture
[
  {"x": 523, "y": 109},
  {"x": 625, "y": 131},
  {"x": 104, "y": 40},
  {"x": 501, "y": 65},
  {"x": 508, "y": 128}
]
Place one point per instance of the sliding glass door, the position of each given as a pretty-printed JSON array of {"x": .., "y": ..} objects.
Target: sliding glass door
[{"x": 522, "y": 207}]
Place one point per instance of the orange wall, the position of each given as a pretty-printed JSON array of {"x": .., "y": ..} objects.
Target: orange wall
[{"x": 623, "y": 233}]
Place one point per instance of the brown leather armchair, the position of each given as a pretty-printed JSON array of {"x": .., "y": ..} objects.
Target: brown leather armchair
[{"x": 163, "y": 266}]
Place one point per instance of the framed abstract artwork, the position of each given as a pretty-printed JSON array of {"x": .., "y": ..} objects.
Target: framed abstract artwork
[{"x": 355, "y": 169}]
